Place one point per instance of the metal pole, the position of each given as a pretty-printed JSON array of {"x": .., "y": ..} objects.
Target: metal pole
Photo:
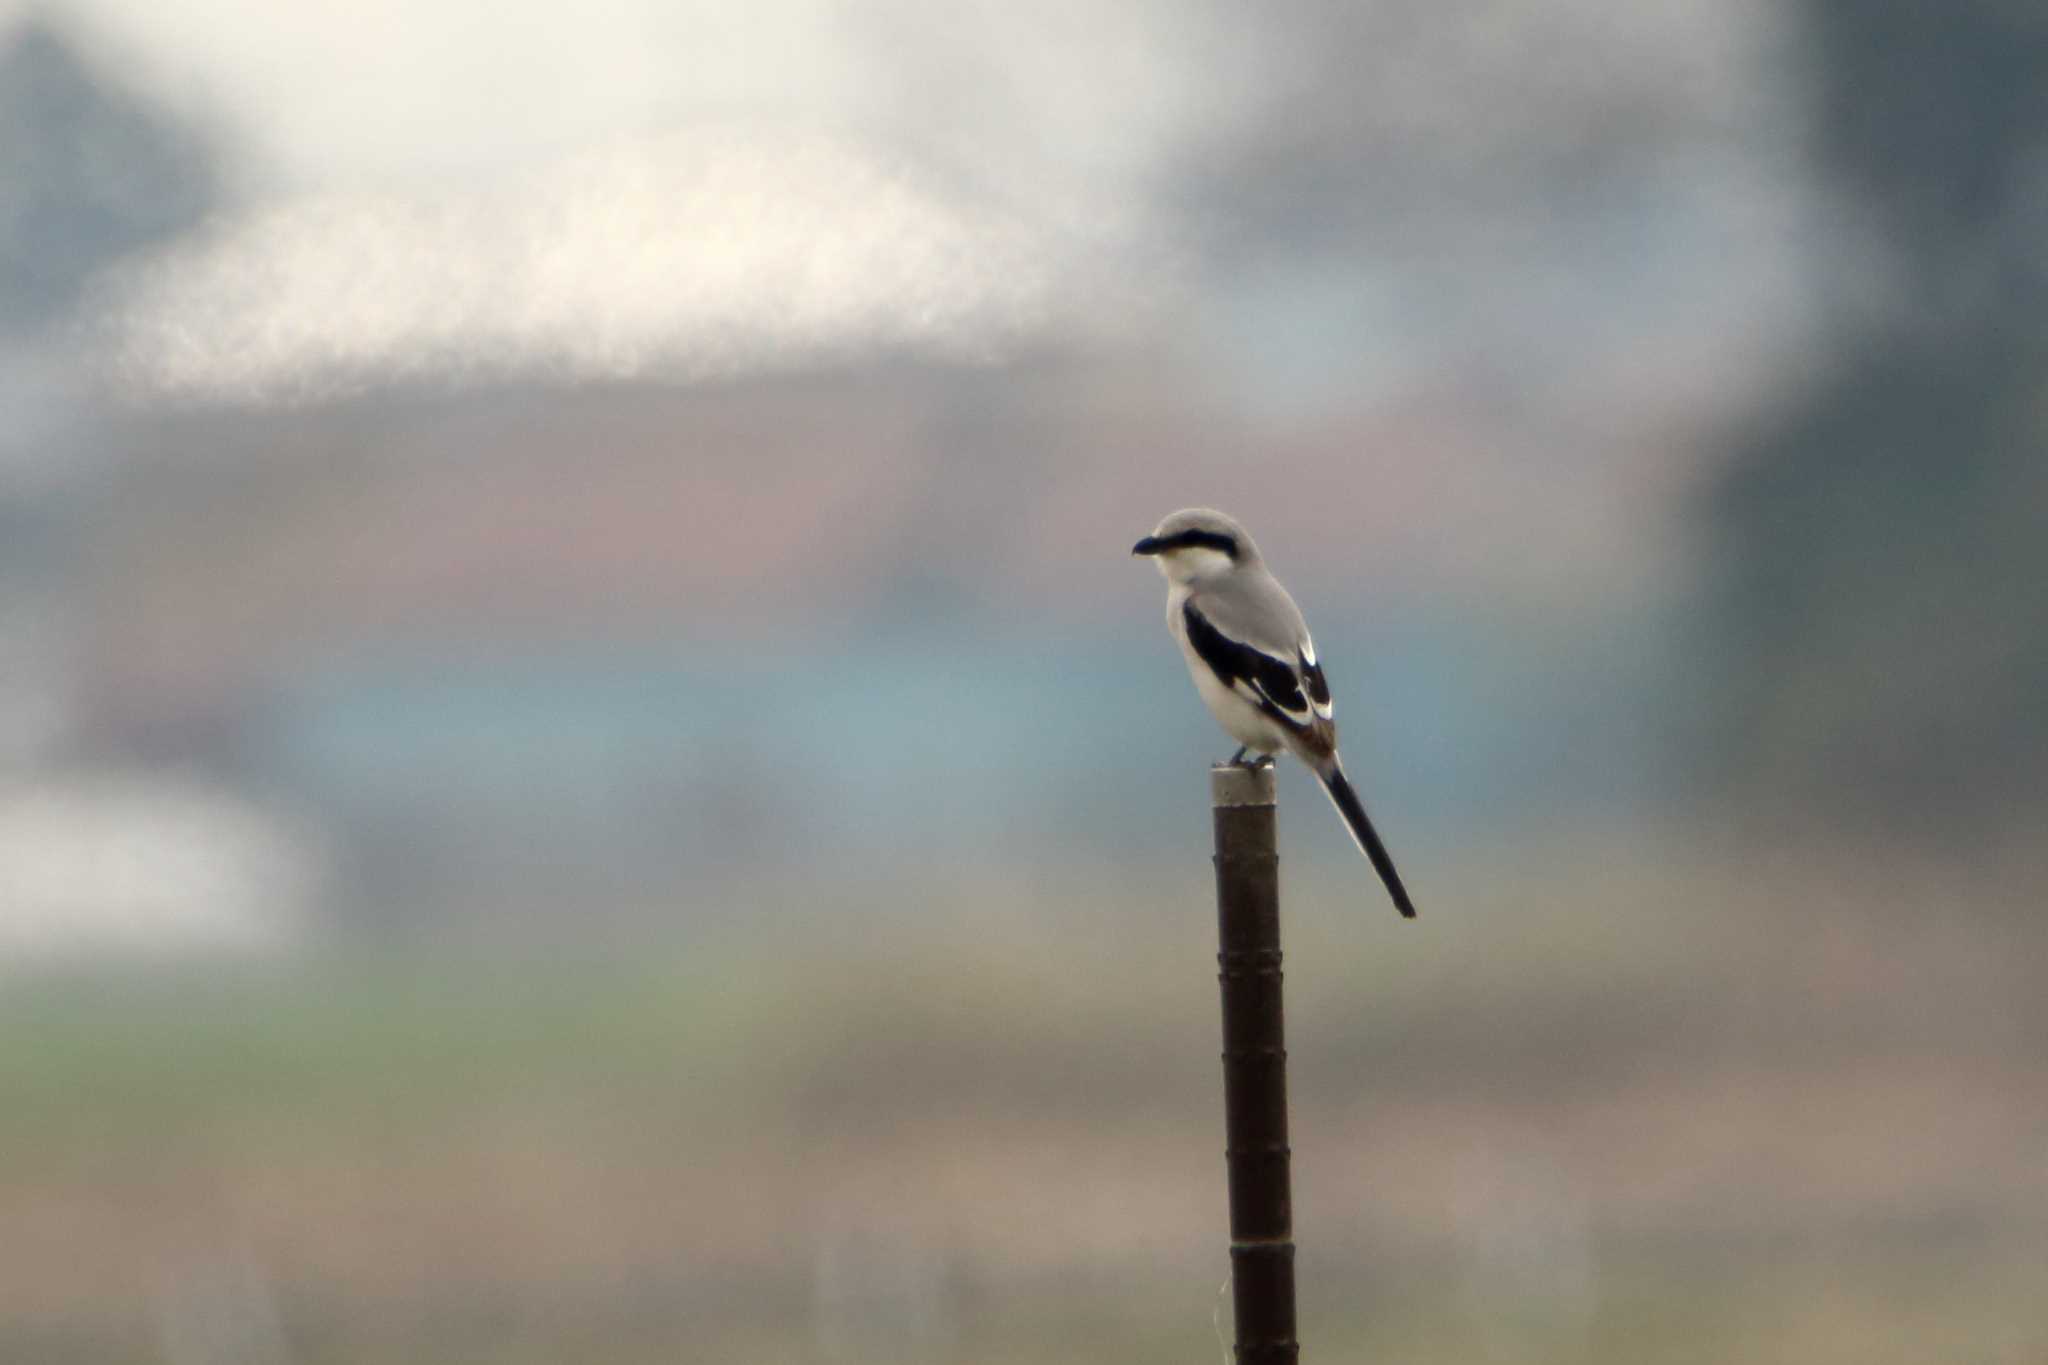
[{"x": 1254, "y": 1065}]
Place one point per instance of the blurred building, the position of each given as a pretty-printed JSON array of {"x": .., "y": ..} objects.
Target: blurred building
[{"x": 507, "y": 639}]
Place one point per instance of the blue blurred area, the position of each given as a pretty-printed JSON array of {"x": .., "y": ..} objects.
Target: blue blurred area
[{"x": 945, "y": 742}]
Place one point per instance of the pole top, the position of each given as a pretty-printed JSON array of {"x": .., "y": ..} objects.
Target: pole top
[{"x": 1231, "y": 784}]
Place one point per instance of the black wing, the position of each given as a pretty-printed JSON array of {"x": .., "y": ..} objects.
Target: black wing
[
  {"x": 1318, "y": 689},
  {"x": 1269, "y": 683}
]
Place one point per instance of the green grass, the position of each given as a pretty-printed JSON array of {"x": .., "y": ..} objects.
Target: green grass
[
  {"x": 160, "y": 1055},
  {"x": 639, "y": 1157}
]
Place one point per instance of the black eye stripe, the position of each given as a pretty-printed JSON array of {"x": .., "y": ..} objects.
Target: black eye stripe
[{"x": 1211, "y": 540}]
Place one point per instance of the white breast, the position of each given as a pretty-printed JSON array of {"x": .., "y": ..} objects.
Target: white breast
[{"x": 1240, "y": 719}]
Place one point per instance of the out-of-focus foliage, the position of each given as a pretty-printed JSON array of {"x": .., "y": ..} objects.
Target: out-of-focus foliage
[
  {"x": 1883, "y": 552},
  {"x": 88, "y": 172}
]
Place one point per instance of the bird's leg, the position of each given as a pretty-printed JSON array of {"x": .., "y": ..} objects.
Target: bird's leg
[{"x": 1236, "y": 760}]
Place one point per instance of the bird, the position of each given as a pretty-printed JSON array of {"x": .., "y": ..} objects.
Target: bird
[{"x": 1253, "y": 662}]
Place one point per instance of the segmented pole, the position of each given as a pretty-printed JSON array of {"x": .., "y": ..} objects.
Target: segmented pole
[{"x": 1254, "y": 1064}]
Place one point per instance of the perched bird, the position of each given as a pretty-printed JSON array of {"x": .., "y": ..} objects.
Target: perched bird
[{"x": 1253, "y": 662}]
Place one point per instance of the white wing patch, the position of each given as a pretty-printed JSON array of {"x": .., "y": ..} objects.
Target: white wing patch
[
  {"x": 1258, "y": 695},
  {"x": 1312, "y": 684},
  {"x": 1270, "y": 684}
]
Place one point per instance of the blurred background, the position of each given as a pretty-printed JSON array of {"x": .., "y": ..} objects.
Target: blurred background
[{"x": 585, "y": 773}]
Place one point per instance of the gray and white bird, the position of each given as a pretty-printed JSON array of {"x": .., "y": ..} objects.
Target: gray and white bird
[{"x": 1253, "y": 662}]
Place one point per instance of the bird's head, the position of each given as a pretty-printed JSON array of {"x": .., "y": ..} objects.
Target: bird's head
[{"x": 1197, "y": 543}]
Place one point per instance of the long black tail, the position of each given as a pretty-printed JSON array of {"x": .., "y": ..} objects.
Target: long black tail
[{"x": 1360, "y": 824}]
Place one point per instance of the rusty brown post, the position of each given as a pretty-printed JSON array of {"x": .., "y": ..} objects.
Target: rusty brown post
[{"x": 1254, "y": 1064}]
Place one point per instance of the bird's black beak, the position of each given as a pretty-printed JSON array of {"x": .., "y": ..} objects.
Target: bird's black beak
[{"x": 1148, "y": 546}]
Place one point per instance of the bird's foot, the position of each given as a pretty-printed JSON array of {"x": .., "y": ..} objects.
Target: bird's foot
[{"x": 1242, "y": 759}]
